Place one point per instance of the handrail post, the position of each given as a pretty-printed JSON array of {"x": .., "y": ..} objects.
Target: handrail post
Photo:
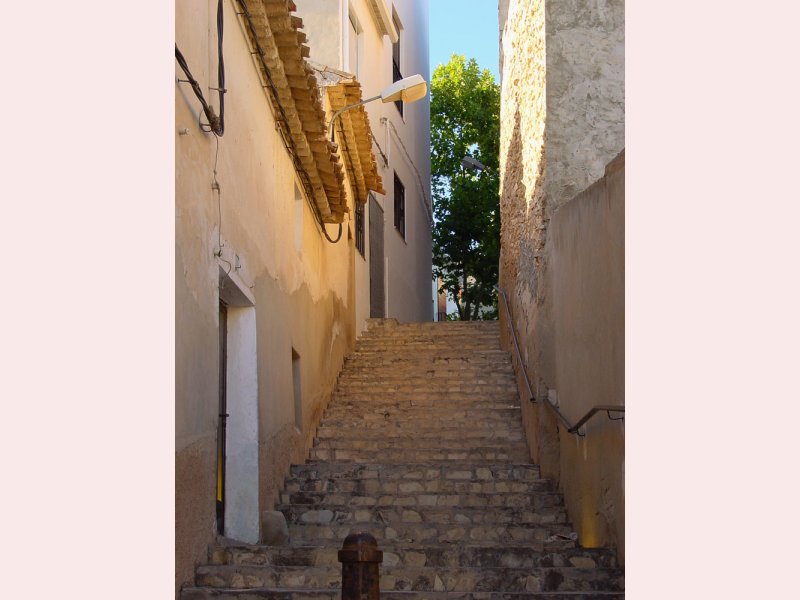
[
  {"x": 522, "y": 366},
  {"x": 574, "y": 429},
  {"x": 360, "y": 560}
]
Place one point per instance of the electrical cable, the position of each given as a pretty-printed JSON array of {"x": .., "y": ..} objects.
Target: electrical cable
[
  {"x": 213, "y": 120},
  {"x": 215, "y": 186},
  {"x": 385, "y": 159},
  {"x": 426, "y": 203},
  {"x": 216, "y": 124},
  {"x": 220, "y": 70}
]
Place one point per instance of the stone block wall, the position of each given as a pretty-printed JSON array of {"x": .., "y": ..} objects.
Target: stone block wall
[
  {"x": 585, "y": 93},
  {"x": 562, "y": 122}
]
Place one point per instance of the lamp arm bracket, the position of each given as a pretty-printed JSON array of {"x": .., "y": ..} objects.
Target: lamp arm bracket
[{"x": 346, "y": 108}]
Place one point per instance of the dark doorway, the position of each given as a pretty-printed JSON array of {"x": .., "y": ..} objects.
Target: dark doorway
[
  {"x": 223, "y": 406},
  {"x": 377, "y": 293}
]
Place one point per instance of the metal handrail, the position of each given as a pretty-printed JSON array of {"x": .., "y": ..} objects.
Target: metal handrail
[
  {"x": 516, "y": 344},
  {"x": 608, "y": 409}
]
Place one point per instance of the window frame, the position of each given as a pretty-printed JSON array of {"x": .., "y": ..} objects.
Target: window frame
[
  {"x": 399, "y": 206},
  {"x": 397, "y": 73},
  {"x": 360, "y": 234},
  {"x": 354, "y": 25}
]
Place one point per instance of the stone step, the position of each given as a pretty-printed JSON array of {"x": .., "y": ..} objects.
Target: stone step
[
  {"x": 484, "y": 329},
  {"x": 428, "y": 373},
  {"x": 414, "y": 389},
  {"x": 452, "y": 354},
  {"x": 421, "y": 446},
  {"x": 398, "y": 435},
  {"x": 416, "y": 408},
  {"x": 543, "y": 554},
  {"x": 414, "y": 471},
  {"x": 368, "y": 423},
  {"x": 407, "y": 412},
  {"x": 457, "y": 340},
  {"x": 392, "y": 361},
  {"x": 428, "y": 365},
  {"x": 401, "y": 377},
  {"x": 400, "y": 409},
  {"x": 448, "y": 445},
  {"x": 438, "y": 330},
  {"x": 400, "y": 514},
  {"x": 391, "y": 454},
  {"x": 371, "y": 401},
  {"x": 412, "y": 418},
  {"x": 207, "y": 593},
  {"x": 422, "y": 350},
  {"x": 358, "y": 436},
  {"x": 383, "y": 486},
  {"x": 421, "y": 388},
  {"x": 391, "y": 428},
  {"x": 343, "y": 500},
  {"x": 422, "y": 355},
  {"x": 497, "y": 579},
  {"x": 486, "y": 406},
  {"x": 462, "y": 368},
  {"x": 427, "y": 353},
  {"x": 422, "y": 533},
  {"x": 485, "y": 362},
  {"x": 389, "y": 322}
]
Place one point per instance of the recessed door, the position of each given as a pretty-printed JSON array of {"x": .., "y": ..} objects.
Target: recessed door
[
  {"x": 223, "y": 415},
  {"x": 377, "y": 293}
]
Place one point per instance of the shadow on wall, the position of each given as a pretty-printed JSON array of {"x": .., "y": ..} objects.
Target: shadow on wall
[
  {"x": 586, "y": 287},
  {"x": 563, "y": 274},
  {"x": 523, "y": 276}
]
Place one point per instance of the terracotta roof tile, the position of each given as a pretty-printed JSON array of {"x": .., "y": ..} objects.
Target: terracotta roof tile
[
  {"x": 343, "y": 89},
  {"x": 279, "y": 35}
]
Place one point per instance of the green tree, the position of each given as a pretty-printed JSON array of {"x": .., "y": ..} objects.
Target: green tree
[{"x": 465, "y": 121}]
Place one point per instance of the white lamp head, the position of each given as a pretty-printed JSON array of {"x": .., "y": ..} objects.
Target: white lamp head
[
  {"x": 409, "y": 89},
  {"x": 472, "y": 163}
]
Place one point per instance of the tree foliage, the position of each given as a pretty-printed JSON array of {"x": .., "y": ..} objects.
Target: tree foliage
[{"x": 465, "y": 121}]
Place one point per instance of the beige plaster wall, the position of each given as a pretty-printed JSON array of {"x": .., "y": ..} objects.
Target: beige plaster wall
[
  {"x": 322, "y": 20},
  {"x": 562, "y": 121},
  {"x": 303, "y": 300},
  {"x": 586, "y": 255}
]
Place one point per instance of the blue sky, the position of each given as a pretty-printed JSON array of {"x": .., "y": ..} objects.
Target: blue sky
[{"x": 467, "y": 27}]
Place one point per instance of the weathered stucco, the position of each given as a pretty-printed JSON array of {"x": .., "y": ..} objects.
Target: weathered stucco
[
  {"x": 562, "y": 121},
  {"x": 585, "y": 42},
  {"x": 303, "y": 299},
  {"x": 586, "y": 257}
]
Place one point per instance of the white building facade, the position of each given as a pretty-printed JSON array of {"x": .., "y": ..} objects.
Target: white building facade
[{"x": 380, "y": 41}]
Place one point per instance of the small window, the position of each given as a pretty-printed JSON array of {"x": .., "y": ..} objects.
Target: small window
[
  {"x": 298, "y": 395},
  {"x": 353, "y": 42},
  {"x": 399, "y": 206},
  {"x": 298, "y": 219},
  {"x": 360, "y": 228},
  {"x": 397, "y": 75}
]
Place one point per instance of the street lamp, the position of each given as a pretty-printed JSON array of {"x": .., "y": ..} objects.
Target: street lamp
[
  {"x": 409, "y": 89},
  {"x": 472, "y": 163}
]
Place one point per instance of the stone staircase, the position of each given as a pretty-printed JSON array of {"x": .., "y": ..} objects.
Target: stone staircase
[{"x": 421, "y": 446}]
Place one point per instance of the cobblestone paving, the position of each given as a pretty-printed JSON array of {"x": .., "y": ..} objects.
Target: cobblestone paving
[{"x": 421, "y": 446}]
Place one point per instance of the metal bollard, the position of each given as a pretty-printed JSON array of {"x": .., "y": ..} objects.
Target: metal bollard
[{"x": 361, "y": 561}]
